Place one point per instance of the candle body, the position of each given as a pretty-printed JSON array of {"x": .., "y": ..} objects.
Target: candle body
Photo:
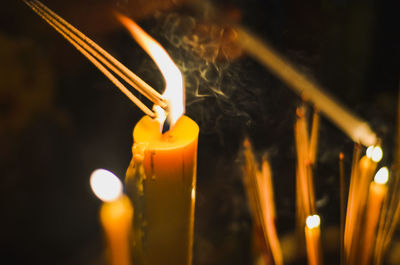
[
  {"x": 161, "y": 181},
  {"x": 377, "y": 193},
  {"x": 313, "y": 246},
  {"x": 356, "y": 206},
  {"x": 116, "y": 218}
]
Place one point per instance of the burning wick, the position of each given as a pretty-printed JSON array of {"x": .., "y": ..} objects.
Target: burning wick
[
  {"x": 166, "y": 126},
  {"x": 115, "y": 214}
]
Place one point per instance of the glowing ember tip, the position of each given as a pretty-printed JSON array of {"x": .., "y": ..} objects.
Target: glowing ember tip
[
  {"x": 382, "y": 176},
  {"x": 375, "y": 153},
  {"x": 105, "y": 185},
  {"x": 174, "y": 86},
  {"x": 313, "y": 221}
]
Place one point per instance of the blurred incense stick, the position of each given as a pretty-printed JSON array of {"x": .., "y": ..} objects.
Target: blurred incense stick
[{"x": 353, "y": 126}]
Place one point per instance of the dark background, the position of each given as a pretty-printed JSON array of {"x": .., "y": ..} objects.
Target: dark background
[{"x": 60, "y": 118}]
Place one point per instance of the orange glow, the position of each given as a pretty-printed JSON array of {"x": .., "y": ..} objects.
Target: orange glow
[
  {"x": 313, "y": 221},
  {"x": 105, "y": 185},
  {"x": 174, "y": 87},
  {"x": 382, "y": 176},
  {"x": 375, "y": 153}
]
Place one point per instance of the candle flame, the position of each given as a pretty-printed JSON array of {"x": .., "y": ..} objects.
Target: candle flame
[
  {"x": 382, "y": 176},
  {"x": 193, "y": 193},
  {"x": 105, "y": 185},
  {"x": 375, "y": 153},
  {"x": 174, "y": 86},
  {"x": 313, "y": 221}
]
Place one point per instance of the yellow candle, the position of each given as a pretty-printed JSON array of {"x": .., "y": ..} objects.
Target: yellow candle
[
  {"x": 162, "y": 175},
  {"x": 116, "y": 215},
  {"x": 313, "y": 234},
  {"x": 367, "y": 168},
  {"x": 162, "y": 179},
  {"x": 377, "y": 193},
  {"x": 357, "y": 201}
]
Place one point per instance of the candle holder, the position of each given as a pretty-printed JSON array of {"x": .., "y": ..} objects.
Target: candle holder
[{"x": 161, "y": 182}]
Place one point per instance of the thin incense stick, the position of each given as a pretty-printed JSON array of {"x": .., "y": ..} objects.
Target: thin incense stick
[
  {"x": 342, "y": 207},
  {"x": 99, "y": 57},
  {"x": 314, "y": 137},
  {"x": 266, "y": 190},
  {"x": 352, "y": 125},
  {"x": 397, "y": 157},
  {"x": 350, "y": 201},
  {"x": 306, "y": 186}
]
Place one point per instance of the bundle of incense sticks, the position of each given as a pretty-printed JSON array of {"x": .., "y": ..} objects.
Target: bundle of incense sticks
[
  {"x": 359, "y": 218},
  {"x": 101, "y": 59},
  {"x": 259, "y": 187},
  {"x": 373, "y": 206}
]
